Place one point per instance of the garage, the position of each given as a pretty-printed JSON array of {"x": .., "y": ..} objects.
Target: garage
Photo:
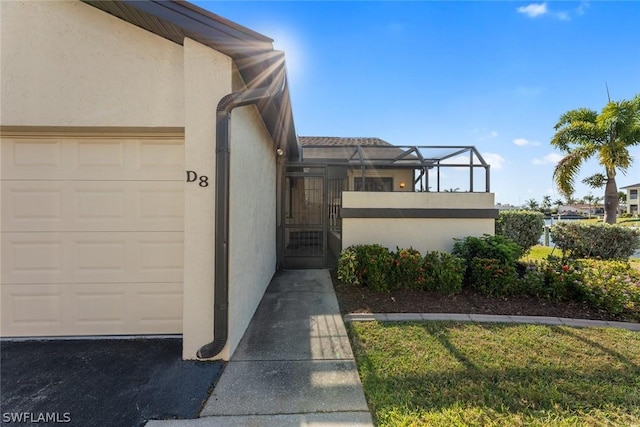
[{"x": 92, "y": 233}]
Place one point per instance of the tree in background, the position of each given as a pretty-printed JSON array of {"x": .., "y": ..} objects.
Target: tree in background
[
  {"x": 622, "y": 198},
  {"x": 531, "y": 204},
  {"x": 591, "y": 201},
  {"x": 583, "y": 133}
]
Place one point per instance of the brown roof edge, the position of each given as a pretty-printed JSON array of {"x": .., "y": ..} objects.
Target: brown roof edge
[
  {"x": 222, "y": 20},
  {"x": 175, "y": 20},
  {"x": 343, "y": 141}
]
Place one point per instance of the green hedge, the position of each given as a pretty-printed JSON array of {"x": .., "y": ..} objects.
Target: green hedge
[
  {"x": 523, "y": 227},
  {"x": 376, "y": 267},
  {"x": 609, "y": 286},
  {"x": 604, "y": 241}
]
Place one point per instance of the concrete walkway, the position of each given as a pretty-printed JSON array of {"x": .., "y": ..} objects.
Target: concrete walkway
[
  {"x": 294, "y": 365},
  {"x": 490, "y": 318}
]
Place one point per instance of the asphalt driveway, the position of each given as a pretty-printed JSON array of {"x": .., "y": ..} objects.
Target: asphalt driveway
[{"x": 101, "y": 382}]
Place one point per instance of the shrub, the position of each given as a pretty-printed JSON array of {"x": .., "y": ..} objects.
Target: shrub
[
  {"x": 612, "y": 286},
  {"x": 603, "y": 241},
  {"x": 563, "y": 279},
  {"x": 532, "y": 281},
  {"x": 407, "y": 269},
  {"x": 493, "y": 277},
  {"x": 491, "y": 247},
  {"x": 374, "y": 266},
  {"x": 523, "y": 227},
  {"x": 348, "y": 268},
  {"x": 443, "y": 272}
]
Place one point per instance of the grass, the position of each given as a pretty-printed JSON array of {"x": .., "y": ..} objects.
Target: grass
[
  {"x": 464, "y": 374},
  {"x": 627, "y": 222},
  {"x": 539, "y": 253}
]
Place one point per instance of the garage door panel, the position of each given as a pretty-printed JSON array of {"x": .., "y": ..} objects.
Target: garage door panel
[
  {"x": 92, "y": 235},
  {"x": 92, "y": 257},
  {"x": 91, "y": 309},
  {"x": 92, "y": 206},
  {"x": 105, "y": 159}
]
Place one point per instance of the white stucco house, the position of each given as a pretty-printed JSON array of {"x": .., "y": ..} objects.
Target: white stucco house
[
  {"x": 106, "y": 106},
  {"x": 152, "y": 179},
  {"x": 633, "y": 200}
]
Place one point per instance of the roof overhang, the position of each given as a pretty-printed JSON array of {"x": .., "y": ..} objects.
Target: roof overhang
[{"x": 252, "y": 52}]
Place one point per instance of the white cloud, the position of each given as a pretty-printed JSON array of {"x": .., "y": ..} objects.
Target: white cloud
[
  {"x": 494, "y": 134},
  {"x": 524, "y": 141},
  {"x": 495, "y": 160},
  {"x": 580, "y": 10},
  {"x": 533, "y": 10},
  {"x": 549, "y": 159}
]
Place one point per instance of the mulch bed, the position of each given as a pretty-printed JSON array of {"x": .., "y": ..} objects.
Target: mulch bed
[{"x": 358, "y": 299}]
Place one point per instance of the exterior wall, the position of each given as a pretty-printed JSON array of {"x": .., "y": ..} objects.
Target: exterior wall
[
  {"x": 207, "y": 79},
  {"x": 633, "y": 205},
  {"x": 84, "y": 67},
  {"x": 252, "y": 234},
  {"x": 424, "y": 234},
  {"x": 398, "y": 175}
]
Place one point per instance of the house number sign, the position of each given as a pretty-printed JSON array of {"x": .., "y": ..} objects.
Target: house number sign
[{"x": 202, "y": 180}]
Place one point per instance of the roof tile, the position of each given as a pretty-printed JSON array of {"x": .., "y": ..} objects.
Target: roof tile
[{"x": 341, "y": 141}]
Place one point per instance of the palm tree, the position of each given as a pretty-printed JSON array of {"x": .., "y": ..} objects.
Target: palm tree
[
  {"x": 546, "y": 202},
  {"x": 557, "y": 203},
  {"x": 531, "y": 204},
  {"x": 591, "y": 201},
  {"x": 583, "y": 133},
  {"x": 622, "y": 198}
]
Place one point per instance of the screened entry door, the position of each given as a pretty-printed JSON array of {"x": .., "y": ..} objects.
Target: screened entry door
[{"x": 304, "y": 231}]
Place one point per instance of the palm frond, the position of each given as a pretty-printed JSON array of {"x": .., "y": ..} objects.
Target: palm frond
[
  {"x": 597, "y": 180},
  {"x": 578, "y": 128},
  {"x": 566, "y": 171}
]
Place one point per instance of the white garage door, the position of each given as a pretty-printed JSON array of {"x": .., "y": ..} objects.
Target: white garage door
[{"x": 92, "y": 235}]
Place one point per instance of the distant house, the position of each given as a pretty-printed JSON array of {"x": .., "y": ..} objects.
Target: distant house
[
  {"x": 576, "y": 209},
  {"x": 633, "y": 200},
  {"x": 382, "y": 193}
]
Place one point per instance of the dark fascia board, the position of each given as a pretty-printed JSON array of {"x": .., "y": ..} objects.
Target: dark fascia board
[
  {"x": 418, "y": 213},
  {"x": 175, "y": 20}
]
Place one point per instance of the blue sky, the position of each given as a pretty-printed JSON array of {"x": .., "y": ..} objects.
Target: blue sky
[{"x": 496, "y": 74}]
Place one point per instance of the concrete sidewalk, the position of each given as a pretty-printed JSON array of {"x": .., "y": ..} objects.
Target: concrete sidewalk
[
  {"x": 294, "y": 365},
  {"x": 489, "y": 318}
]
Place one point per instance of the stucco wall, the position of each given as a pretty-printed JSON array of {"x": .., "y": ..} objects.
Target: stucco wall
[
  {"x": 85, "y": 68},
  {"x": 252, "y": 234},
  {"x": 424, "y": 234},
  {"x": 207, "y": 79},
  {"x": 70, "y": 64}
]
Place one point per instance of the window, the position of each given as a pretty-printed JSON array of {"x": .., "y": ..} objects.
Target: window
[
  {"x": 374, "y": 184},
  {"x": 633, "y": 194}
]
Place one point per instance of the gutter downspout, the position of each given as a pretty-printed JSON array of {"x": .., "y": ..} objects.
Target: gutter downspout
[{"x": 221, "y": 262}]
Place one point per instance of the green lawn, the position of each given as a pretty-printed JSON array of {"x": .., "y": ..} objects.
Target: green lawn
[
  {"x": 465, "y": 374},
  {"x": 539, "y": 253}
]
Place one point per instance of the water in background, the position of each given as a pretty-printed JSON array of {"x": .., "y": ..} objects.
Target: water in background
[{"x": 549, "y": 222}]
